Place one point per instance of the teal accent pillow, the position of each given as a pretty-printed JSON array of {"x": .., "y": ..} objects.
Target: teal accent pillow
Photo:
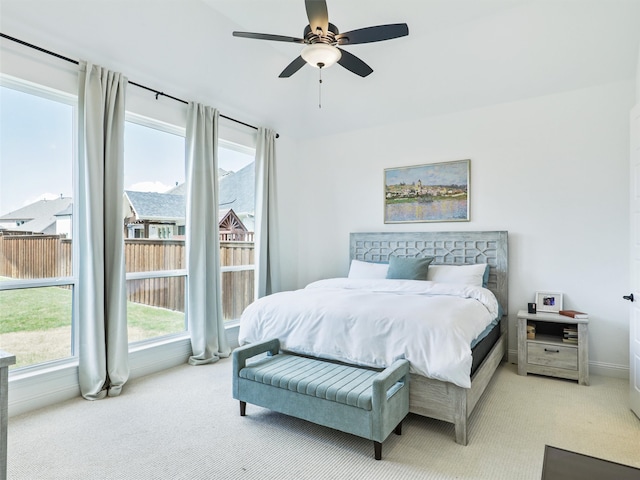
[
  {"x": 485, "y": 277},
  {"x": 408, "y": 268}
]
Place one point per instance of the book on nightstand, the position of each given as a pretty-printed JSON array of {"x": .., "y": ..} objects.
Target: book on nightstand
[
  {"x": 570, "y": 335},
  {"x": 573, "y": 314}
]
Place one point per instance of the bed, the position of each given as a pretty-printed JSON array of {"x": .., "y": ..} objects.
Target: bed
[{"x": 331, "y": 317}]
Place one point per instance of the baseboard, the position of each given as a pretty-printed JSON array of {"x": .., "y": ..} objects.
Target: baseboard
[
  {"x": 40, "y": 387},
  {"x": 595, "y": 368},
  {"x": 512, "y": 356},
  {"x": 609, "y": 370}
]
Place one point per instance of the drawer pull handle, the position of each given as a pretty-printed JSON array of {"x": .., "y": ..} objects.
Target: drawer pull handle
[{"x": 551, "y": 350}]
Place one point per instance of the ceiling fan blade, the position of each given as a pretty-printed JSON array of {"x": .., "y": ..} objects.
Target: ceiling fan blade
[
  {"x": 318, "y": 15},
  {"x": 293, "y": 67},
  {"x": 267, "y": 36},
  {"x": 354, "y": 64},
  {"x": 373, "y": 34}
]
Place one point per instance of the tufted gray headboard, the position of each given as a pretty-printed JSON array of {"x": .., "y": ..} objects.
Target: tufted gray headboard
[{"x": 448, "y": 248}]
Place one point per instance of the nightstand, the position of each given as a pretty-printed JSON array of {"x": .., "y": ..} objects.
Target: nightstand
[{"x": 548, "y": 353}]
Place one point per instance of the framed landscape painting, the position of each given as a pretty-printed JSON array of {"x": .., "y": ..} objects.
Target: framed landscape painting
[{"x": 436, "y": 192}]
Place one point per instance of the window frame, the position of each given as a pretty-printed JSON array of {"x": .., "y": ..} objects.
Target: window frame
[
  {"x": 71, "y": 100},
  {"x": 165, "y": 127}
]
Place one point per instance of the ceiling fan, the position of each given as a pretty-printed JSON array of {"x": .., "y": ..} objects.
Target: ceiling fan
[{"x": 323, "y": 38}]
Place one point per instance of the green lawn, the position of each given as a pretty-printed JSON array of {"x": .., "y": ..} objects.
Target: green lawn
[
  {"x": 35, "y": 323},
  {"x": 154, "y": 321},
  {"x": 30, "y": 309}
]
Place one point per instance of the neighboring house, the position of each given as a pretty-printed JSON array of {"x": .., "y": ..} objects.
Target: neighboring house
[
  {"x": 64, "y": 222},
  {"x": 236, "y": 194},
  {"x": 237, "y": 189},
  {"x": 162, "y": 215},
  {"x": 153, "y": 215},
  {"x": 37, "y": 218}
]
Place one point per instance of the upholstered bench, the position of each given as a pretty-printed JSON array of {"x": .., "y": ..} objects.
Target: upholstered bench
[{"x": 356, "y": 400}]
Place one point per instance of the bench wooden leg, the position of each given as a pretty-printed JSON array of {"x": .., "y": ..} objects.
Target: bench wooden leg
[
  {"x": 398, "y": 429},
  {"x": 377, "y": 449},
  {"x": 243, "y": 408}
]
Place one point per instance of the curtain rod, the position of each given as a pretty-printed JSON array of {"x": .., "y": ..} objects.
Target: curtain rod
[{"x": 157, "y": 92}]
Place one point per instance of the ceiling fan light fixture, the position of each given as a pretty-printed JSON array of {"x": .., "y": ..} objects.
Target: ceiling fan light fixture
[{"x": 321, "y": 55}]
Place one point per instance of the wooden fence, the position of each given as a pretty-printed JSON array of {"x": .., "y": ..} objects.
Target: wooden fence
[
  {"x": 35, "y": 256},
  {"x": 49, "y": 256}
]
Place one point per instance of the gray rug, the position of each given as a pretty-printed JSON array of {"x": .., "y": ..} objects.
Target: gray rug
[{"x": 560, "y": 464}]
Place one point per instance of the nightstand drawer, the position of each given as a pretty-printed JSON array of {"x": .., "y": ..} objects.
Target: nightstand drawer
[{"x": 552, "y": 355}]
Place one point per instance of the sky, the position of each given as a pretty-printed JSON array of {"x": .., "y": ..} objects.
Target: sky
[
  {"x": 35, "y": 149},
  {"x": 36, "y": 152}
]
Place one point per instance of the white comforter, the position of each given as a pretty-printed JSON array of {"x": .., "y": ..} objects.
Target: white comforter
[{"x": 374, "y": 322}]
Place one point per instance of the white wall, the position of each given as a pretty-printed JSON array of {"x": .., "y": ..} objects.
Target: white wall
[{"x": 550, "y": 170}]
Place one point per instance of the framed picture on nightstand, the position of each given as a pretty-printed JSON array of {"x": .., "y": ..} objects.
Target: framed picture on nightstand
[{"x": 549, "y": 302}]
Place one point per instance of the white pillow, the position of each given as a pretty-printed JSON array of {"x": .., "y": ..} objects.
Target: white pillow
[
  {"x": 464, "y": 274},
  {"x": 368, "y": 270}
]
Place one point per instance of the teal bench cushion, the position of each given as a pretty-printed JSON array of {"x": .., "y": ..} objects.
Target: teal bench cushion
[{"x": 330, "y": 381}]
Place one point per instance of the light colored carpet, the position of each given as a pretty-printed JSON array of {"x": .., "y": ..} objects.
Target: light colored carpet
[{"x": 183, "y": 424}]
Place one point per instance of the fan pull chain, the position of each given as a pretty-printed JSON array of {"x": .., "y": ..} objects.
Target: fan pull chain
[{"x": 320, "y": 88}]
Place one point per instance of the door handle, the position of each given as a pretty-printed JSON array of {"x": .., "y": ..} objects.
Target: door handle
[{"x": 628, "y": 297}]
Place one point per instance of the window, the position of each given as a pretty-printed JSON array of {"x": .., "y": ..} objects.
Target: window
[
  {"x": 236, "y": 214},
  {"x": 155, "y": 227},
  {"x": 154, "y": 212},
  {"x": 36, "y": 222},
  {"x": 38, "y": 256}
]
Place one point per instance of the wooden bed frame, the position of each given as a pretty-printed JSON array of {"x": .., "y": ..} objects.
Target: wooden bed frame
[{"x": 435, "y": 398}]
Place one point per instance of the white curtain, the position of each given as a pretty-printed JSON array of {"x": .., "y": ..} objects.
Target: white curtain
[
  {"x": 266, "y": 275},
  {"x": 204, "y": 292},
  {"x": 102, "y": 323}
]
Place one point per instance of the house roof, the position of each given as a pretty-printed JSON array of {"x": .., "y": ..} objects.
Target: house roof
[
  {"x": 67, "y": 211},
  {"x": 237, "y": 189},
  {"x": 156, "y": 206},
  {"x": 41, "y": 208},
  {"x": 181, "y": 188},
  {"x": 38, "y": 216},
  {"x": 164, "y": 207}
]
